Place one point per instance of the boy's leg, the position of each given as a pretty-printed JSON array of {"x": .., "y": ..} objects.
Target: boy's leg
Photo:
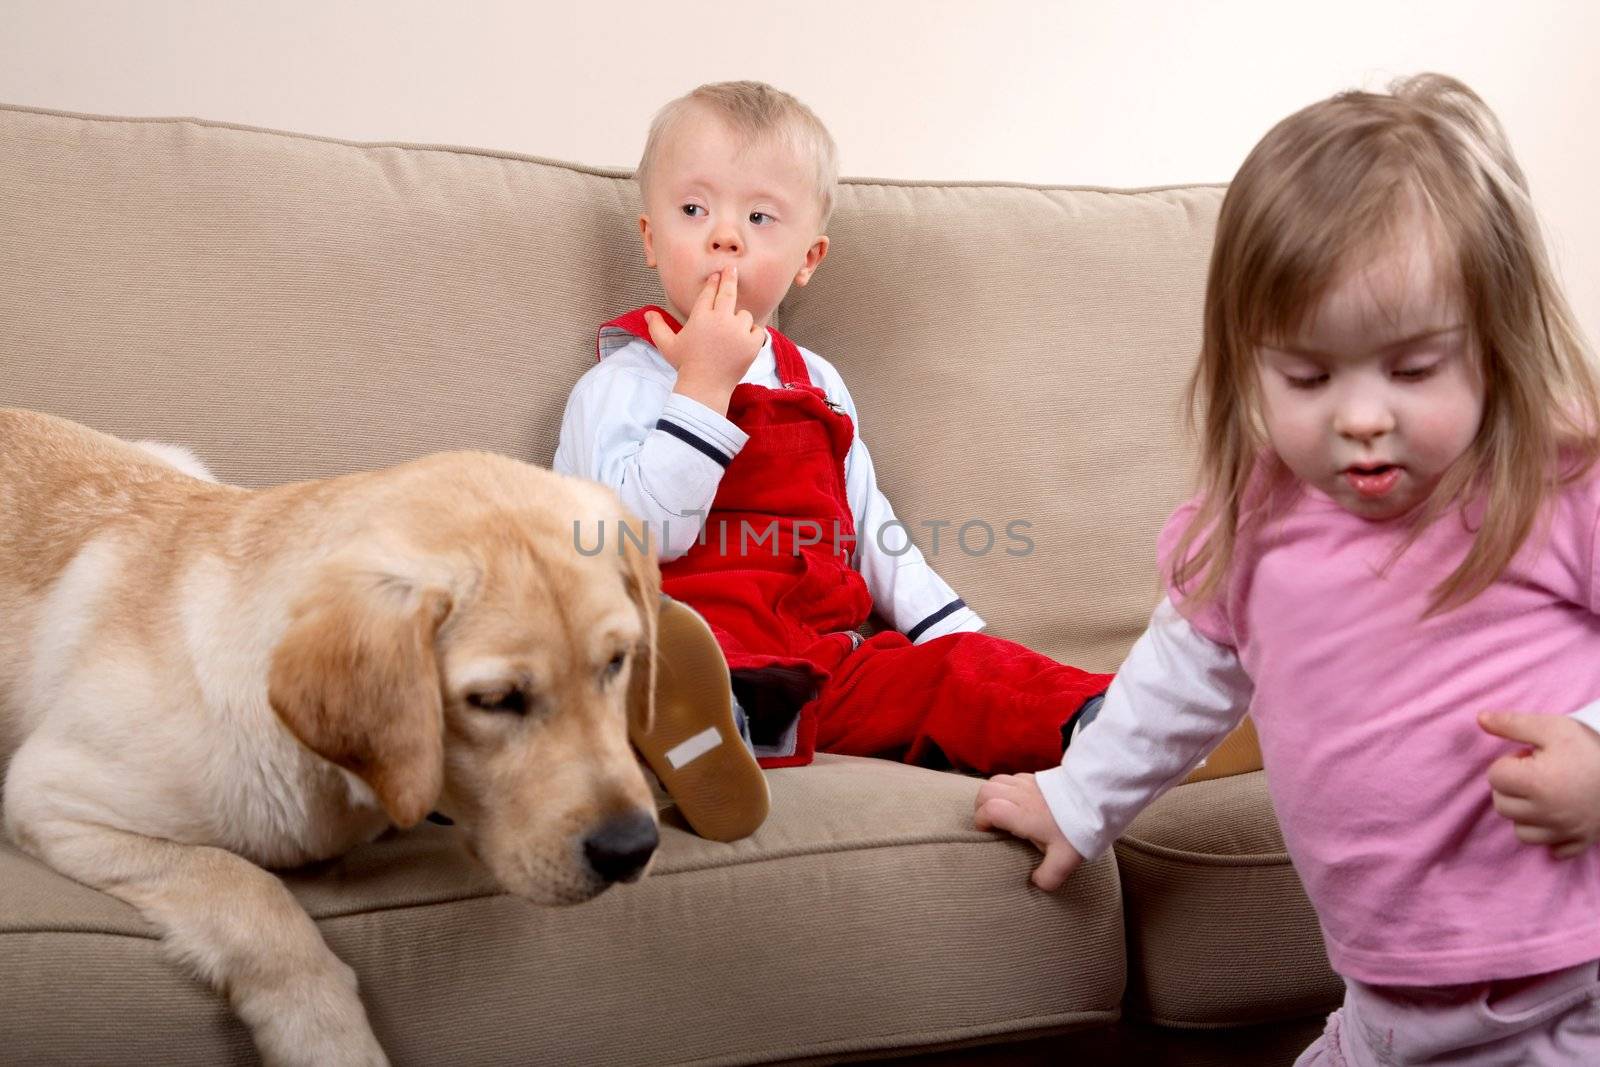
[
  {"x": 696, "y": 746},
  {"x": 980, "y": 703}
]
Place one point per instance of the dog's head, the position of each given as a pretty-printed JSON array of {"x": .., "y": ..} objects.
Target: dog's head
[{"x": 477, "y": 660}]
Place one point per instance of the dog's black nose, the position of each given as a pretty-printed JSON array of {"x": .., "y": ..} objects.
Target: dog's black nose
[{"x": 619, "y": 850}]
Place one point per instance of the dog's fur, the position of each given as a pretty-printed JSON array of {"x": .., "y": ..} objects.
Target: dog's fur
[{"x": 198, "y": 682}]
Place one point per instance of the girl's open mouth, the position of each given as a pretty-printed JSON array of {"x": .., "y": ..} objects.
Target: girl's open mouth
[{"x": 1374, "y": 482}]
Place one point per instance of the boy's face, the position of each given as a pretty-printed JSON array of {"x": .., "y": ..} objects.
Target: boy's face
[{"x": 716, "y": 201}]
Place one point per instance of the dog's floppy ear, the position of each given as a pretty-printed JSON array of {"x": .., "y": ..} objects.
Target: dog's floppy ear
[
  {"x": 355, "y": 678},
  {"x": 642, "y": 576}
]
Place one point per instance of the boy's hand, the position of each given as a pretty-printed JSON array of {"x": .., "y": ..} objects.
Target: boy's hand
[
  {"x": 1013, "y": 803},
  {"x": 1551, "y": 789},
  {"x": 715, "y": 347}
]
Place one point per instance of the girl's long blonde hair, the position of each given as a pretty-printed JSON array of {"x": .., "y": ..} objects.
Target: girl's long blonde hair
[{"x": 1334, "y": 182}]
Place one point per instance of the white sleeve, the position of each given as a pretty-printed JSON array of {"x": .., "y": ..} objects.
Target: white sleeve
[
  {"x": 1176, "y": 697},
  {"x": 663, "y": 453},
  {"x": 1589, "y": 715},
  {"x": 905, "y": 589}
]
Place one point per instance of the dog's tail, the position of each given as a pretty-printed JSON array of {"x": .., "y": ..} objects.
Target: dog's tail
[{"x": 178, "y": 456}]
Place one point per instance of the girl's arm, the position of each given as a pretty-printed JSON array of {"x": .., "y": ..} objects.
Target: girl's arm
[{"x": 1174, "y": 699}]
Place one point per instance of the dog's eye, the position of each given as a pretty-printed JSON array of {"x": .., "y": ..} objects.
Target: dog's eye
[
  {"x": 510, "y": 701},
  {"x": 614, "y": 668}
]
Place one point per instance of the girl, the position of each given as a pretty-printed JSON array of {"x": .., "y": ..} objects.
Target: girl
[{"x": 1392, "y": 566}]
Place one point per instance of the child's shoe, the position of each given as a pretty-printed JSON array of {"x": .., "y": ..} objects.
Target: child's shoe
[
  {"x": 1238, "y": 753},
  {"x": 695, "y": 748},
  {"x": 1080, "y": 719}
]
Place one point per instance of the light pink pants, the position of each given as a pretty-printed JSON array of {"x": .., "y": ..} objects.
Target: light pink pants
[{"x": 1545, "y": 1020}]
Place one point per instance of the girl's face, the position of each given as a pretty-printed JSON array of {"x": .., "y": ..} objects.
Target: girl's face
[{"x": 1383, "y": 390}]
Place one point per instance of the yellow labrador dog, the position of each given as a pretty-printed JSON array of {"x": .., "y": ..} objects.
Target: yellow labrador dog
[{"x": 199, "y": 681}]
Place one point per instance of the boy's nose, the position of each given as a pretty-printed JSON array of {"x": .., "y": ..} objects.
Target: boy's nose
[{"x": 726, "y": 239}]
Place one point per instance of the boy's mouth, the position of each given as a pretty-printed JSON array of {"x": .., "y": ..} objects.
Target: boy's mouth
[{"x": 1373, "y": 481}]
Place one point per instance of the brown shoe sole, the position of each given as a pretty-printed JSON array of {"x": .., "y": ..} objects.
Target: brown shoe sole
[
  {"x": 1238, "y": 753},
  {"x": 694, "y": 747}
]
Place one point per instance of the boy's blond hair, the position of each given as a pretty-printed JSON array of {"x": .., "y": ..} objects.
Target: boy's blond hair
[
  {"x": 1335, "y": 182},
  {"x": 756, "y": 111}
]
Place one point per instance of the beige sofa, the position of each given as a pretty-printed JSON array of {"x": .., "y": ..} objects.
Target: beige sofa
[{"x": 294, "y": 307}]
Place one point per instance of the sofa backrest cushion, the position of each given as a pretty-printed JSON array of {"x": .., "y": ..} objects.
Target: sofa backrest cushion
[{"x": 294, "y": 307}]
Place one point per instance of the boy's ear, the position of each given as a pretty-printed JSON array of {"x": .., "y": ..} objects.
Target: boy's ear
[
  {"x": 814, "y": 256},
  {"x": 649, "y": 245}
]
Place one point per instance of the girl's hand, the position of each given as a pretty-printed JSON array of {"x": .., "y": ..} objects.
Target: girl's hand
[
  {"x": 1013, "y": 803},
  {"x": 715, "y": 347},
  {"x": 1550, "y": 790}
]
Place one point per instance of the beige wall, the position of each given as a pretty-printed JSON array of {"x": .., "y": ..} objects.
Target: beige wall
[{"x": 1095, "y": 93}]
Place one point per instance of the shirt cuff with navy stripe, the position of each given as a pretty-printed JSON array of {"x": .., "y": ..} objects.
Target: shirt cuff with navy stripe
[
  {"x": 953, "y": 618},
  {"x": 701, "y": 428}
]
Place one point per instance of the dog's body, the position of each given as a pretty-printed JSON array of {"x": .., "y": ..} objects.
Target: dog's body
[{"x": 198, "y": 681}]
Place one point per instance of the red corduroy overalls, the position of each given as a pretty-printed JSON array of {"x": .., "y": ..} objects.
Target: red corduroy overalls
[{"x": 771, "y": 574}]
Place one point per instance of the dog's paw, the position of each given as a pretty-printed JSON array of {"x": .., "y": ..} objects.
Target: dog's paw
[{"x": 317, "y": 1019}]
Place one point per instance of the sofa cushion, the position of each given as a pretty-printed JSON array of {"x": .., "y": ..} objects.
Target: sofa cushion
[
  {"x": 1018, "y": 354},
  {"x": 866, "y": 914},
  {"x": 294, "y": 307},
  {"x": 1220, "y": 932}
]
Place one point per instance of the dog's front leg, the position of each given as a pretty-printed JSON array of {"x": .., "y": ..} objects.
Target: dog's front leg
[{"x": 232, "y": 923}]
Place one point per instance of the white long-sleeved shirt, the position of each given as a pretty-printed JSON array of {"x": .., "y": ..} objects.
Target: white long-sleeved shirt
[
  {"x": 665, "y": 454},
  {"x": 1175, "y": 697}
]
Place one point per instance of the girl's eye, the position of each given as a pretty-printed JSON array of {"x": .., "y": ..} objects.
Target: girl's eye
[
  {"x": 612, "y": 669},
  {"x": 1310, "y": 381},
  {"x": 1416, "y": 374},
  {"x": 760, "y": 218},
  {"x": 694, "y": 211},
  {"x": 509, "y": 702}
]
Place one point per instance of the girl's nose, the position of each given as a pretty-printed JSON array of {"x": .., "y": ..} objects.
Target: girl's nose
[{"x": 1363, "y": 419}]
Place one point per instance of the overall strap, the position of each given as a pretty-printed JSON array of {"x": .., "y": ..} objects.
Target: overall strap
[
  {"x": 792, "y": 370},
  {"x": 622, "y": 330}
]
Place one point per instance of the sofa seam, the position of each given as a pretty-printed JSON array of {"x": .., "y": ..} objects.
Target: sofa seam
[
  {"x": 1256, "y": 1019},
  {"x": 1032, "y": 1023},
  {"x": 83, "y": 930},
  {"x": 968, "y": 837},
  {"x": 492, "y": 893},
  {"x": 621, "y": 173},
  {"x": 1249, "y": 859}
]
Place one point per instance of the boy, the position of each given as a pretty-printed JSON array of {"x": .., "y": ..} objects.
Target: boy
[{"x": 739, "y": 450}]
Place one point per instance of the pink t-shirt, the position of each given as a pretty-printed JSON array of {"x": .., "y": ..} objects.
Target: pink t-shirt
[{"x": 1374, "y": 759}]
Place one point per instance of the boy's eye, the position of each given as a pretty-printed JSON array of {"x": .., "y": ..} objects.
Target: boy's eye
[
  {"x": 694, "y": 211},
  {"x": 760, "y": 218}
]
